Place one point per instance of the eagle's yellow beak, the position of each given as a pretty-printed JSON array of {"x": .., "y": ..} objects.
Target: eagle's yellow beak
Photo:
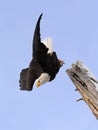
[{"x": 37, "y": 84}]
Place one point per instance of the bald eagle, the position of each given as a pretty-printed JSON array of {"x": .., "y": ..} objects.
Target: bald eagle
[{"x": 44, "y": 64}]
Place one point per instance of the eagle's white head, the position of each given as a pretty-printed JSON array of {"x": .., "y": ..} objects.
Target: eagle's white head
[{"x": 44, "y": 78}]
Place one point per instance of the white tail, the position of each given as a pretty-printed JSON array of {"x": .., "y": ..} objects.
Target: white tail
[{"x": 48, "y": 43}]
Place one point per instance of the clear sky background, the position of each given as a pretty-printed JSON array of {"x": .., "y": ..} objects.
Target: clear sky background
[{"x": 73, "y": 25}]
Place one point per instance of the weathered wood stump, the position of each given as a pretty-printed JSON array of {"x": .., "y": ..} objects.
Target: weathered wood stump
[{"x": 86, "y": 84}]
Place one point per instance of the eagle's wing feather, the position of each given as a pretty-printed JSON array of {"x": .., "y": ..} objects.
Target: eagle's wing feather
[
  {"x": 29, "y": 75},
  {"x": 23, "y": 79},
  {"x": 39, "y": 49}
]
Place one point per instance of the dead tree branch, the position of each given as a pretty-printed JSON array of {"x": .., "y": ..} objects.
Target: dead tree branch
[{"x": 86, "y": 84}]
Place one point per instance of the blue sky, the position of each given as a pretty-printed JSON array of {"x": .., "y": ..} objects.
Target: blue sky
[{"x": 73, "y": 25}]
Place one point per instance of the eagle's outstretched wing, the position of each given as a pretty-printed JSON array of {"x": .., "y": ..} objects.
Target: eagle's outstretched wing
[
  {"x": 39, "y": 49},
  {"x": 23, "y": 79},
  {"x": 29, "y": 75}
]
